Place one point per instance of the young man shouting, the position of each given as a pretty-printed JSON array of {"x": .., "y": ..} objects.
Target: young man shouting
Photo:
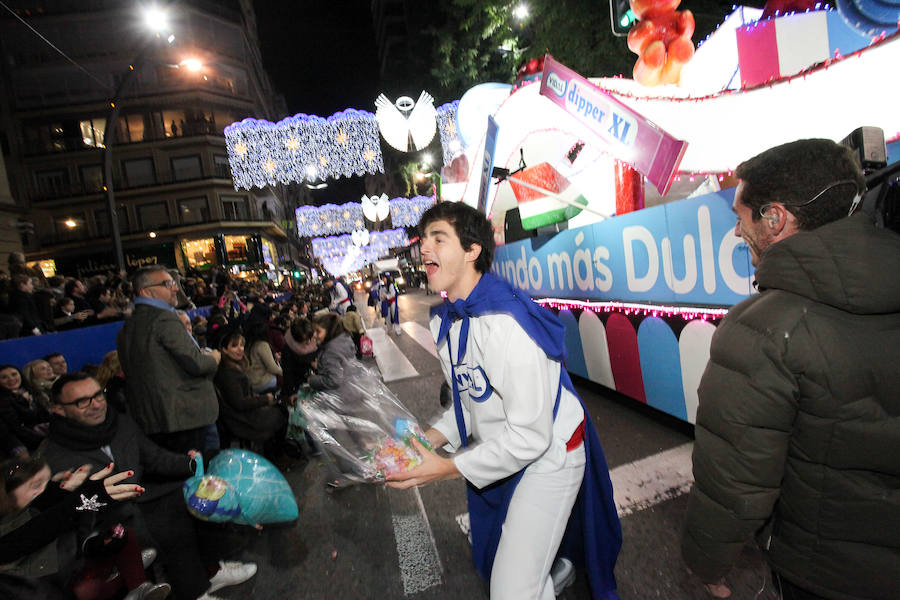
[{"x": 538, "y": 484}]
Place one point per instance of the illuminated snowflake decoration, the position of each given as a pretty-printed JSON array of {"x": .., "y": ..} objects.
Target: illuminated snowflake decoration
[{"x": 303, "y": 148}]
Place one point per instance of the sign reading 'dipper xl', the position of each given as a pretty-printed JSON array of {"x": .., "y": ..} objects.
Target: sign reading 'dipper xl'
[{"x": 630, "y": 137}]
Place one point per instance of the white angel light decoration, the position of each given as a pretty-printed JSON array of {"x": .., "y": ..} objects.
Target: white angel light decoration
[
  {"x": 376, "y": 208},
  {"x": 407, "y": 125},
  {"x": 359, "y": 237}
]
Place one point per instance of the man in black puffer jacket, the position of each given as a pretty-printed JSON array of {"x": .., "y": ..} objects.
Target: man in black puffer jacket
[{"x": 798, "y": 426}]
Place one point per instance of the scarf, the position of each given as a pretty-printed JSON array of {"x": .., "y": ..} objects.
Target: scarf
[
  {"x": 73, "y": 435},
  {"x": 300, "y": 348}
]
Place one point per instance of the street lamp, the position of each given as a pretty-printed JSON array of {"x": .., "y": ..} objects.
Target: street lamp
[{"x": 156, "y": 21}]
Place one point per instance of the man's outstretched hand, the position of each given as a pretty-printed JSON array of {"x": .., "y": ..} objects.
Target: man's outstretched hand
[{"x": 432, "y": 468}]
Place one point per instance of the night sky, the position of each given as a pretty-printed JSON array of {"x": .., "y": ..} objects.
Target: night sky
[{"x": 320, "y": 54}]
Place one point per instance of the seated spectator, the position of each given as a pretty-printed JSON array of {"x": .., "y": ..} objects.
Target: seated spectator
[
  {"x": 100, "y": 299},
  {"x": 186, "y": 321},
  {"x": 76, "y": 290},
  {"x": 245, "y": 414},
  {"x": 336, "y": 350},
  {"x": 198, "y": 327},
  {"x": 300, "y": 350},
  {"x": 262, "y": 370},
  {"x": 84, "y": 431},
  {"x": 39, "y": 378},
  {"x": 24, "y": 417},
  {"x": 37, "y": 511},
  {"x": 65, "y": 317},
  {"x": 112, "y": 381},
  {"x": 277, "y": 328},
  {"x": 216, "y": 327},
  {"x": 23, "y": 306},
  {"x": 57, "y": 363}
]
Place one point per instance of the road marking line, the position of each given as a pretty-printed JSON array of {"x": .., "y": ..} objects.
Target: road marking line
[
  {"x": 422, "y": 335},
  {"x": 391, "y": 361},
  {"x": 640, "y": 484},
  {"x": 420, "y": 563},
  {"x": 646, "y": 482}
]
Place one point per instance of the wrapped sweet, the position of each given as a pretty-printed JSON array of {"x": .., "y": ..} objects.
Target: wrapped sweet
[{"x": 362, "y": 426}]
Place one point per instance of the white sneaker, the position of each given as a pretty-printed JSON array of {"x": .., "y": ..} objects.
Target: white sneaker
[
  {"x": 208, "y": 596},
  {"x": 231, "y": 573},
  {"x": 397, "y": 330},
  {"x": 148, "y": 555},
  {"x": 562, "y": 574}
]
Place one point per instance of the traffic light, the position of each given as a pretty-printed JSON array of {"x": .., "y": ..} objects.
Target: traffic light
[{"x": 621, "y": 17}]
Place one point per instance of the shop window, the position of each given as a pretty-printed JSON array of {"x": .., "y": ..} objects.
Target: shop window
[
  {"x": 52, "y": 183},
  {"x": 199, "y": 252},
  {"x": 234, "y": 208},
  {"x": 153, "y": 216},
  {"x": 185, "y": 168},
  {"x": 236, "y": 248},
  {"x": 139, "y": 172},
  {"x": 193, "y": 210},
  {"x": 91, "y": 178},
  {"x": 101, "y": 220}
]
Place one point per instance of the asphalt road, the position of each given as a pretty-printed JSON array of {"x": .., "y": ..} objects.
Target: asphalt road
[{"x": 371, "y": 541}]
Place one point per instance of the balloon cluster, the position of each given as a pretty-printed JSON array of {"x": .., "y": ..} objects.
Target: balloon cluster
[{"x": 662, "y": 41}]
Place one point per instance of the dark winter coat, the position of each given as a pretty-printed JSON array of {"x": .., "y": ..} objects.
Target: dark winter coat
[
  {"x": 168, "y": 379},
  {"x": 245, "y": 414},
  {"x": 332, "y": 359},
  {"x": 798, "y": 426}
]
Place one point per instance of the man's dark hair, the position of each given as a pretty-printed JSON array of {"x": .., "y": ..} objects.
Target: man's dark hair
[
  {"x": 64, "y": 380},
  {"x": 471, "y": 226},
  {"x": 794, "y": 173},
  {"x": 70, "y": 286},
  {"x": 141, "y": 278},
  {"x": 53, "y": 355}
]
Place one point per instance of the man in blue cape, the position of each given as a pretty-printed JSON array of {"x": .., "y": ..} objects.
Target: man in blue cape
[{"x": 539, "y": 492}]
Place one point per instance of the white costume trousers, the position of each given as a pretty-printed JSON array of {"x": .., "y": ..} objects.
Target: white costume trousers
[{"x": 535, "y": 523}]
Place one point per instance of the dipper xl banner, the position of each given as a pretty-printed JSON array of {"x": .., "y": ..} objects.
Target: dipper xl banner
[
  {"x": 683, "y": 252},
  {"x": 631, "y": 137}
]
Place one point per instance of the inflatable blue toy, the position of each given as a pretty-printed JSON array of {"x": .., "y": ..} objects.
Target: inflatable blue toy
[{"x": 240, "y": 487}]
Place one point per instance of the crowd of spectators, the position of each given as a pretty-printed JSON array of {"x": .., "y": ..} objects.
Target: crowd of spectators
[{"x": 67, "y": 436}]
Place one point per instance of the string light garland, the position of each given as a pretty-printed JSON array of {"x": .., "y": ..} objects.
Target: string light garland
[
  {"x": 380, "y": 242},
  {"x": 330, "y": 219},
  {"x": 312, "y": 148},
  {"x": 407, "y": 212},
  {"x": 303, "y": 148},
  {"x": 688, "y": 313}
]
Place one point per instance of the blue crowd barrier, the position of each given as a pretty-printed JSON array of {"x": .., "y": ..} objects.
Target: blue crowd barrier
[{"x": 87, "y": 345}]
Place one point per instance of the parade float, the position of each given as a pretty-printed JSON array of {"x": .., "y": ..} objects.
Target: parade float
[{"x": 611, "y": 198}]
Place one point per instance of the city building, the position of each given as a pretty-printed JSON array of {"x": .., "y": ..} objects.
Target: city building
[{"x": 166, "y": 95}]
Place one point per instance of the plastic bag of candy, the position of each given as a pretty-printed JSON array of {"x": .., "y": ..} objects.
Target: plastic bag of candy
[{"x": 362, "y": 425}]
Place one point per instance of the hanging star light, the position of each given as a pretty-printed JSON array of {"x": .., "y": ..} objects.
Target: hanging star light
[
  {"x": 446, "y": 118},
  {"x": 407, "y": 212}
]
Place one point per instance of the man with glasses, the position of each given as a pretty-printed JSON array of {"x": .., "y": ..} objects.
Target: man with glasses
[
  {"x": 169, "y": 387},
  {"x": 83, "y": 431},
  {"x": 798, "y": 423}
]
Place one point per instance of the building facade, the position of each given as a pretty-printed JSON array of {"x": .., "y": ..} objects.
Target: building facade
[{"x": 170, "y": 99}]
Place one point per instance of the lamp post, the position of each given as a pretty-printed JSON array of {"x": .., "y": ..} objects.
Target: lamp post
[{"x": 156, "y": 21}]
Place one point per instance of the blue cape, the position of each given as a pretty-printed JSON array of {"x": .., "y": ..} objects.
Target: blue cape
[{"x": 593, "y": 535}]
